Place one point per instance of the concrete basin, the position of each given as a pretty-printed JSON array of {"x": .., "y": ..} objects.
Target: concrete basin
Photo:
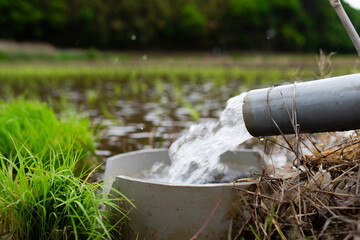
[{"x": 169, "y": 211}]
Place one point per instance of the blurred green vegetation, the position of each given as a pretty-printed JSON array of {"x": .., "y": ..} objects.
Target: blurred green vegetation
[
  {"x": 34, "y": 128},
  {"x": 262, "y": 25},
  {"x": 133, "y": 81},
  {"x": 150, "y": 82},
  {"x": 23, "y": 54}
]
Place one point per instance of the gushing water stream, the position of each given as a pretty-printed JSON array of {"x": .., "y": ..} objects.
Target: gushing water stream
[{"x": 195, "y": 156}]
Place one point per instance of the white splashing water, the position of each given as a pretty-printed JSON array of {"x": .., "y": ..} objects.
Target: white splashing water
[{"x": 195, "y": 156}]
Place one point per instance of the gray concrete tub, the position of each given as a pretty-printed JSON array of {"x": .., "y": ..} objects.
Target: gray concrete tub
[{"x": 169, "y": 211}]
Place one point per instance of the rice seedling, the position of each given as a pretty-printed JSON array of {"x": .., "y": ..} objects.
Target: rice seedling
[
  {"x": 88, "y": 75},
  {"x": 117, "y": 90},
  {"x": 44, "y": 188},
  {"x": 159, "y": 86},
  {"x": 91, "y": 96},
  {"x": 107, "y": 113},
  {"x": 35, "y": 126},
  {"x": 195, "y": 114},
  {"x": 45, "y": 200}
]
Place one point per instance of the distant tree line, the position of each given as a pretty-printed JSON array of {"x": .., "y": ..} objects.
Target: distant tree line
[{"x": 260, "y": 25}]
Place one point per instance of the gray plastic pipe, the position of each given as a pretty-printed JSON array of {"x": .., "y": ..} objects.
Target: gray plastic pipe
[{"x": 331, "y": 104}]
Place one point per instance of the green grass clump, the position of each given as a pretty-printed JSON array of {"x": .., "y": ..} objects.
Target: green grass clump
[
  {"x": 46, "y": 201},
  {"x": 35, "y": 126},
  {"x": 44, "y": 194}
]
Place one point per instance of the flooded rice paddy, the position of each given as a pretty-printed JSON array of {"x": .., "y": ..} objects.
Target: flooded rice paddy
[{"x": 136, "y": 107}]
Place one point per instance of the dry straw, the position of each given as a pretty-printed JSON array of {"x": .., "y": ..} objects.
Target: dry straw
[{"x": 318, "y": 198}]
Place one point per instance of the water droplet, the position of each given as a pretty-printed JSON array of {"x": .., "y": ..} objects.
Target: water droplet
[
  {"x": 144, "y": 57},
  {"x": 270, "y": 33},
  {"x": 141, "y": 128},
  {"x": 133, "y": 37}
]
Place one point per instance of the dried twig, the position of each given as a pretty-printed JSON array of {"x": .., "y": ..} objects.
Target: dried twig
[
  {"x": 322, "y": 200},
  {"x": 336, "y": 4}
]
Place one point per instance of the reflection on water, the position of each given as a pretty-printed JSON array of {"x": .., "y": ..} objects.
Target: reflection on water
[
  {"x": 141, "y": 120},
  {"x": 150, "y": 124}
]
